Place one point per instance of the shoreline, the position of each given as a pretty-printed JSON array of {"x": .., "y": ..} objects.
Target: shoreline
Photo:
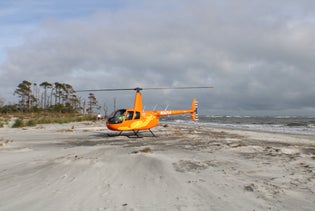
[{"x": 281, "y": 130}]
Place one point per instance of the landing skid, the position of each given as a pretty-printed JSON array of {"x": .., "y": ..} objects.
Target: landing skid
[
  {"x": 136, "y": 134},
  {"x": 152, "y": 133},
  {"x": 113, "y": 135}
]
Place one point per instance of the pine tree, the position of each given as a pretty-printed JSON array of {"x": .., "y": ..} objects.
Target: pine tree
[
  {"x": 46, "y": 86},
  {"x": 92, "y": 102},
  {"x": 24, "y": 91}
]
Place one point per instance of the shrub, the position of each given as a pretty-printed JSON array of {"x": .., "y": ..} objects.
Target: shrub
[
  {"x": 18, "y": 123},
  {"x": 31, "y": 123}
]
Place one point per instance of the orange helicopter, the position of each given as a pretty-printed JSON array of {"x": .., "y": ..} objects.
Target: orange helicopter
[{"x": 136, "y": 119}]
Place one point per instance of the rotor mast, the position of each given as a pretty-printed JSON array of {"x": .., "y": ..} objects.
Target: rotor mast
[{"x": 138, "y": 100}]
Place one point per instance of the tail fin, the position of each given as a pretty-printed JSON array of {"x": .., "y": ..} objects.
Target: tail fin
[{"x": 194, "y": 109}]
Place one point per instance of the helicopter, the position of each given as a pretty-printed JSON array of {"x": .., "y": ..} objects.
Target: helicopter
[{"x": 137, "y": 119}]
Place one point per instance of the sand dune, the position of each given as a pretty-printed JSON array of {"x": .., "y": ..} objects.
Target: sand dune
[{"x": 77, "y": 166}]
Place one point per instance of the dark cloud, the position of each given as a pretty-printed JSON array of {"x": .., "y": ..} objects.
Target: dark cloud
[{"x": 258, "y": 55}]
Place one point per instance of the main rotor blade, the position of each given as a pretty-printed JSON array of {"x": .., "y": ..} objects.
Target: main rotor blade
[
  {"x": 149, "y": 88},
  {"x": 183, "y": 87},
  {"x": 103, "y": 90}
]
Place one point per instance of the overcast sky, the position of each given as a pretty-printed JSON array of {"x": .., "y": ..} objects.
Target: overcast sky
[{"x": 259, "y": 55}]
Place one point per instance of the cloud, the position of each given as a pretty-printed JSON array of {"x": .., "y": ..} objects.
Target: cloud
[{"x": 258, "y": 55}]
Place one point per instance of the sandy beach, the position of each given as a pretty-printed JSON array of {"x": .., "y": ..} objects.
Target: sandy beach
[{"x": 77, "y": 166}]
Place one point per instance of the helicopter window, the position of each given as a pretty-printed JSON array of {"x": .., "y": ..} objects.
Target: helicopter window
[
  {"x": 117, "y": 117},
  {"x": 129, "y": 115},
  {"x": 137, "y": 115}
]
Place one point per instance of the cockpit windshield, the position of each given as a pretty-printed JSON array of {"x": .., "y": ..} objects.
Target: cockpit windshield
[{"x": 117, "y": 117}]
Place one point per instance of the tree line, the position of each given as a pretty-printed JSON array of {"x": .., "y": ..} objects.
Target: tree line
[{"x": 58, "y": 97}]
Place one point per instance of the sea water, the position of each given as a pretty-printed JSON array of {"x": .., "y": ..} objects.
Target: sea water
[{"x": 281, "y": 124}]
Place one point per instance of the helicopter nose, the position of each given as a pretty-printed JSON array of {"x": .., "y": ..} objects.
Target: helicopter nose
[{"x": 110, "y": 126}]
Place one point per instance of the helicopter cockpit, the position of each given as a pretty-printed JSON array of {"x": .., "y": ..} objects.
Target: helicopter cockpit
[
  {"x": 117, "y": 116},
  {"x": 123, "y": 114}
]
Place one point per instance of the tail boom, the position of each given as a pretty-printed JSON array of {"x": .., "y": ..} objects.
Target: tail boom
[{"x": 192, "y": 111}]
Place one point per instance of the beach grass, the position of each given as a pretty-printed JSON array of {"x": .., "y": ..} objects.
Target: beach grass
[{"x": 33, "y": 119}]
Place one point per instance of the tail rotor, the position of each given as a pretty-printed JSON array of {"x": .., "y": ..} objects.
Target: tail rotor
[{"x": 194, "y": 110}]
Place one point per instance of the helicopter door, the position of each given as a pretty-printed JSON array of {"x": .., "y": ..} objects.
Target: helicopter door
[
  {"x": 137, "y": 115},
  {"x": 129, "y": 115}
]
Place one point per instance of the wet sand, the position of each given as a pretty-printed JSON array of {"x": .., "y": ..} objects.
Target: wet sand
[{"x": 77, "y": 166}]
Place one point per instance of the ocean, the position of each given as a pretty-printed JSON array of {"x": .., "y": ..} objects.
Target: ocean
[{"x": 281, "y": 124}]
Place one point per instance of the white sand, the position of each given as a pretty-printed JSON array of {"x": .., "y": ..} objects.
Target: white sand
[{"x": 77, "y": 166}]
